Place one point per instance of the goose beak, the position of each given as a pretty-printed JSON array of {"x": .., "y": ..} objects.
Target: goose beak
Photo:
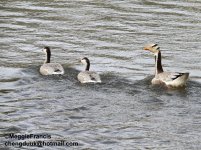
[
  {"x": 79, "y": 61},
  {"x": 146, "y": 48}
]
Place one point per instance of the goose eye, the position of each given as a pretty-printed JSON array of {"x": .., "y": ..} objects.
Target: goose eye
[{"x": 155, "y": 45}]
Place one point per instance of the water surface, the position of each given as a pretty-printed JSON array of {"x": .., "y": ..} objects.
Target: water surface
[{"x": 123, "y": 112}]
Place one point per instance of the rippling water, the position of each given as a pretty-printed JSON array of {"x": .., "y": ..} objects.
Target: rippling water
[{"x": 125, "y": 111}]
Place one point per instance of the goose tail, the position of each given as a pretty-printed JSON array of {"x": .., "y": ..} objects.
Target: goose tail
[{"x": 180, "y": 81}]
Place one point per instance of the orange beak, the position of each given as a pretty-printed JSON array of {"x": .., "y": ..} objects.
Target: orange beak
[{"x": 145, "y": 48}]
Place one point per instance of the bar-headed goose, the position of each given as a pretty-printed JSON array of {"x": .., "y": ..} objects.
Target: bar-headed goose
[
  {"x": 50, "y": 68},
  {"x": 170, "y": 79},
  {"x": 88, "y": 76}
]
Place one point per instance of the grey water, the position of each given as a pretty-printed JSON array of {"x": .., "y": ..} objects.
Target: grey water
[{"x": 123, "y": 112}]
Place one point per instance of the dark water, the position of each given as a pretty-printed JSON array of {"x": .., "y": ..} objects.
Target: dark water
[{"x": 123, "y": 112}]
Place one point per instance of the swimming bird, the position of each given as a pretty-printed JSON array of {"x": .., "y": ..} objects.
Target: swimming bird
[
  {"x": 50, "y": 68},
  {"x": 88, "y": 76},
  {"x": 170, "y": 79}
]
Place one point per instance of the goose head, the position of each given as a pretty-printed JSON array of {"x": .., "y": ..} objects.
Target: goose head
[
  {"x": 86, "y": 62},
  {"x": 154, "y": 48},
  {"x": 46, "y": 50}
]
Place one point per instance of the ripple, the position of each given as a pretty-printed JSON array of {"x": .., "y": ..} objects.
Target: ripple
[{"x": 123, "y": 111}]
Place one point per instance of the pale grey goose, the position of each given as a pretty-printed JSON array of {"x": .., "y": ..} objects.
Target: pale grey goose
[
  {"x": 88, "y": 76},
  {"x": 50, "y": 68},
  {"x": 170, "y": 79}
]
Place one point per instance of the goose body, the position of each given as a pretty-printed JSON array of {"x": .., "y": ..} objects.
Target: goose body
[
  {"x": 88, "y": 76},
  {"x": 169, "y": 79},
  {"x": 50, "y": 68}
]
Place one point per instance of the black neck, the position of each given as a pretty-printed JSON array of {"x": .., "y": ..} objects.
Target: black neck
[
  {"x": 48, "y": 57},
  {"x": 159, "y": 68},
  {"x": 87, "y": 67}
]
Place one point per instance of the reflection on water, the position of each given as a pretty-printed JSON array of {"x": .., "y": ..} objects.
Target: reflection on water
[{"x": 125, "y": 111}]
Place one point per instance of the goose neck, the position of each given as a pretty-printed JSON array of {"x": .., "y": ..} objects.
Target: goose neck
[
  {"x": 158, "y": 64},
  {"x": 87, "y": 66},
  {"x": 48, "y": 55}
]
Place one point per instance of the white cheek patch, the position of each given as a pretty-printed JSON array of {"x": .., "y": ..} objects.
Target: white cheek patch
[{"x": 84, "y": 61}]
